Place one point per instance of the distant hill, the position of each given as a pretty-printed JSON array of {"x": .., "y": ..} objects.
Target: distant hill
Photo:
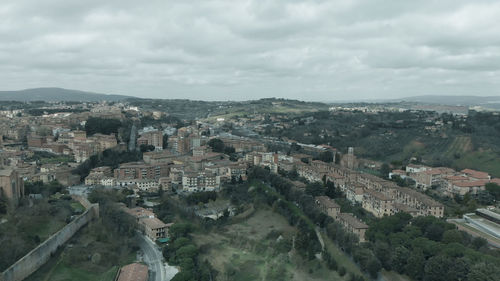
[
  {"x": 487, "y": 102},
  {"x": 57, "y": 94}
]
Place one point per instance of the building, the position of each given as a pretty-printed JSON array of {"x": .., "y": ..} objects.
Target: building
[
  {"x": 377, "y": 203},
  {"x": 11, "y": 186},
  {"x": 425, "y": 205},
  {"x": 154, "y": 228},
  {"x": 200, "y": 181},
  {"x": 353, "y": 225},
  {"x": 328, "y": 206},
  {"x": 154, "y": 138},
  {"x": 133, "y": 272},
  {"x": 141, "y": 170}
]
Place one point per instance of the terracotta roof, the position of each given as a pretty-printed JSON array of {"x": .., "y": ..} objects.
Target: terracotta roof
[
  {"x": 469, "y": 183},
  {"x": 476, "y": 174},
  {"x": 133, "y": 272}
]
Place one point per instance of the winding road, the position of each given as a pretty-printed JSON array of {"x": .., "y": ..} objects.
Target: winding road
[{"x": 160, "y": 270}]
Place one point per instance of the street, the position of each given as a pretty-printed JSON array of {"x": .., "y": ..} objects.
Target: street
[{"x": 160, "y": 271}]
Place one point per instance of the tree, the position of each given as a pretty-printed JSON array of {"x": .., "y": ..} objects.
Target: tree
[
  {"x": 315, "y": 189},
  {"x": 400, "y": 259},
  {"x": 217, "y": 145},
  {"x": 382, "y": 251},
  {"x": 484, "y": 272},
  {"x": 146, "y": 148},
  {"x": 452, "y": 236},
  {"x": 385, "y": 170},
  {"x": 493, "y": 189},
  {"x": 416, "y": 264},
  {"x": 437, "y": 268},
  {"x": 165, "y": 141},
  {"x": 373, "y": 267}
]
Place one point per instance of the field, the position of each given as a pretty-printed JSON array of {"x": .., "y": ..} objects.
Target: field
[
  {"x": 249, "y": 250},
  {"x": 57, "y": 269},
  {"x": 487, "y": 161}
]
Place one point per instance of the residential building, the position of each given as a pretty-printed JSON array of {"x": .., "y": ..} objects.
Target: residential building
[
  {"x": 328, "y": 206},
  {"x": 353, "y": 225},
  {"x": 133, "y": 272},
  {"x": 377, "y": 203}
]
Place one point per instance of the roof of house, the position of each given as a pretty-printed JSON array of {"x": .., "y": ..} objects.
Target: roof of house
[
  {"x": 377, "y": 195},
  {"x": 133, "y": 272},
  {"x": 153, "y": 223},
  {"x": 469, "y": 183},
  {"x": 327, "y": 202},
  {"x": 420, "y": 197},
  {"x": 476, "y": 174},
  {"x": 352, "y": 221}
]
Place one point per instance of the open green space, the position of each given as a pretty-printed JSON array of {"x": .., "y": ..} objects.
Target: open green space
[{"x": 259, "y": 248}]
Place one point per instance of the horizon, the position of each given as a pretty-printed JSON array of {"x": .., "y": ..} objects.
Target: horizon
[
  {"x": 317, "y": 51},
  {"x": 367, "y": 100}
]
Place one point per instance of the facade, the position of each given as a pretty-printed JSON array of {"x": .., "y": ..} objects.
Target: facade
[
  {"x": 353, "y": 225},
  {"x": 200, "y": 181},
  {"x": 377, "y": 203},
  {"x": 154, "y": 228},
  {"x": 140, "y": 170},
  {"x": 328, "y": 206},
  {"x": 11, "y": 186}
]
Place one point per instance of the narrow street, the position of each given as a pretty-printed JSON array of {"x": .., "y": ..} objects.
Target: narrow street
[{"x": 160, "y": 270}]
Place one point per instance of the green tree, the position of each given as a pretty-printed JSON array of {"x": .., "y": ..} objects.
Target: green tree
[
  {"x": 416, "y": 264},
  {"x": 217, "y": 145},
  {"x": 493, "y": 189}
]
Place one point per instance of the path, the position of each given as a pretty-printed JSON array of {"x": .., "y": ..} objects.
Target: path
[{"x": 153, "y": 257}]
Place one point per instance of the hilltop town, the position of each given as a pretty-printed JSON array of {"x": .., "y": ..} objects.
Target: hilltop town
[{"x": 185, "y": 182}]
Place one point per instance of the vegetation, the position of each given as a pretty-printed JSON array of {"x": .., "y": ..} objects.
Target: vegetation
[
  {"x": 456, "y": 141},
  {"x": 109, "y": 157},
  {"x": 28, "y": 226},
  {"x": 105, "y": 126},
  {"x": 43, "y": 157},
  {"x": 427, "y": 248},
  {"x": 38, "y": 187},
  {"x": 98, "y": 249}
]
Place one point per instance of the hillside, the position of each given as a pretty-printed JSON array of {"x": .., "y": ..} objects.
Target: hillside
[{"x": 57, "y": 94}]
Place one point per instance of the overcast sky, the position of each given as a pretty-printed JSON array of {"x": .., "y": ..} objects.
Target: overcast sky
[{"x": 237, "y": 50}]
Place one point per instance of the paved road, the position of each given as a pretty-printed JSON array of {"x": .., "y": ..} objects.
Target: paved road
[
  {"x": 160, "y": 271},
  {"x": 133, "y": 133}
]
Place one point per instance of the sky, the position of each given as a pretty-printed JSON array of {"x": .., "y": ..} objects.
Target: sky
[{"x": 239, "y": 50}]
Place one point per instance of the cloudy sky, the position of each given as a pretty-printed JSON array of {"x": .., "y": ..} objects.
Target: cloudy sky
[{"x": 237, "y": 50}]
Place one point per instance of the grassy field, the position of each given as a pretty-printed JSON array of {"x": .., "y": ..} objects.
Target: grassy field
[
  {"x": 487, "y": 161},
  {"x": 57, "y": 269},
  {"x": 247, "y": 251}
]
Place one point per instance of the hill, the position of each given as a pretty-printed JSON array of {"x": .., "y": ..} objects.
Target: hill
[
  {"x": 57, "y": 94},
  {"x": 486, "y": 102}
]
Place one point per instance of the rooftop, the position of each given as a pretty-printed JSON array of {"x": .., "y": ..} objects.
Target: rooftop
[
  {"x": 327, "y": 202},
  {"x": 133, "y": 272},
  {"x": 352, "y": 221}
]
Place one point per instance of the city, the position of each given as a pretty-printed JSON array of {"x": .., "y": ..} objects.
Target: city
[{"x": 158, "y": 184}]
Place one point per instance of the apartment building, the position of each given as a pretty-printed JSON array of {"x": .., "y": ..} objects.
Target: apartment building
[
  {"x": 328, "y": 206},
  {"x": 200, "y": 181},
  {"x": 141, "y": 170},
  {"x": 377, "y": 203},
  {"x": 353, "y": 225}
]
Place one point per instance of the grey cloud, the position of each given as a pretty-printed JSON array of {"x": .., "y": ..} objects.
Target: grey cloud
[{"x": 221, "y": 49}]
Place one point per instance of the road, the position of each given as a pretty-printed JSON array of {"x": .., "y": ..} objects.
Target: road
[
  {"x": 131, "y": 142},
  {"x": 160, "y": 271}
]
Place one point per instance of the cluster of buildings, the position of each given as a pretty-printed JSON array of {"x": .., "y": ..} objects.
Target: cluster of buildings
[
  {"x": 448, "y": 181},
  {"x": 148, "y": 223},
  {"x": 348, "y": 220}
]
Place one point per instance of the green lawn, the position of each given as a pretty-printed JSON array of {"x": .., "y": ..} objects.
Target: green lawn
[{"x": 77, "y": 207}]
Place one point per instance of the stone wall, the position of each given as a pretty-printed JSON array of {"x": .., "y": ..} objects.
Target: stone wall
[{"x": 41, "y": 254}]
